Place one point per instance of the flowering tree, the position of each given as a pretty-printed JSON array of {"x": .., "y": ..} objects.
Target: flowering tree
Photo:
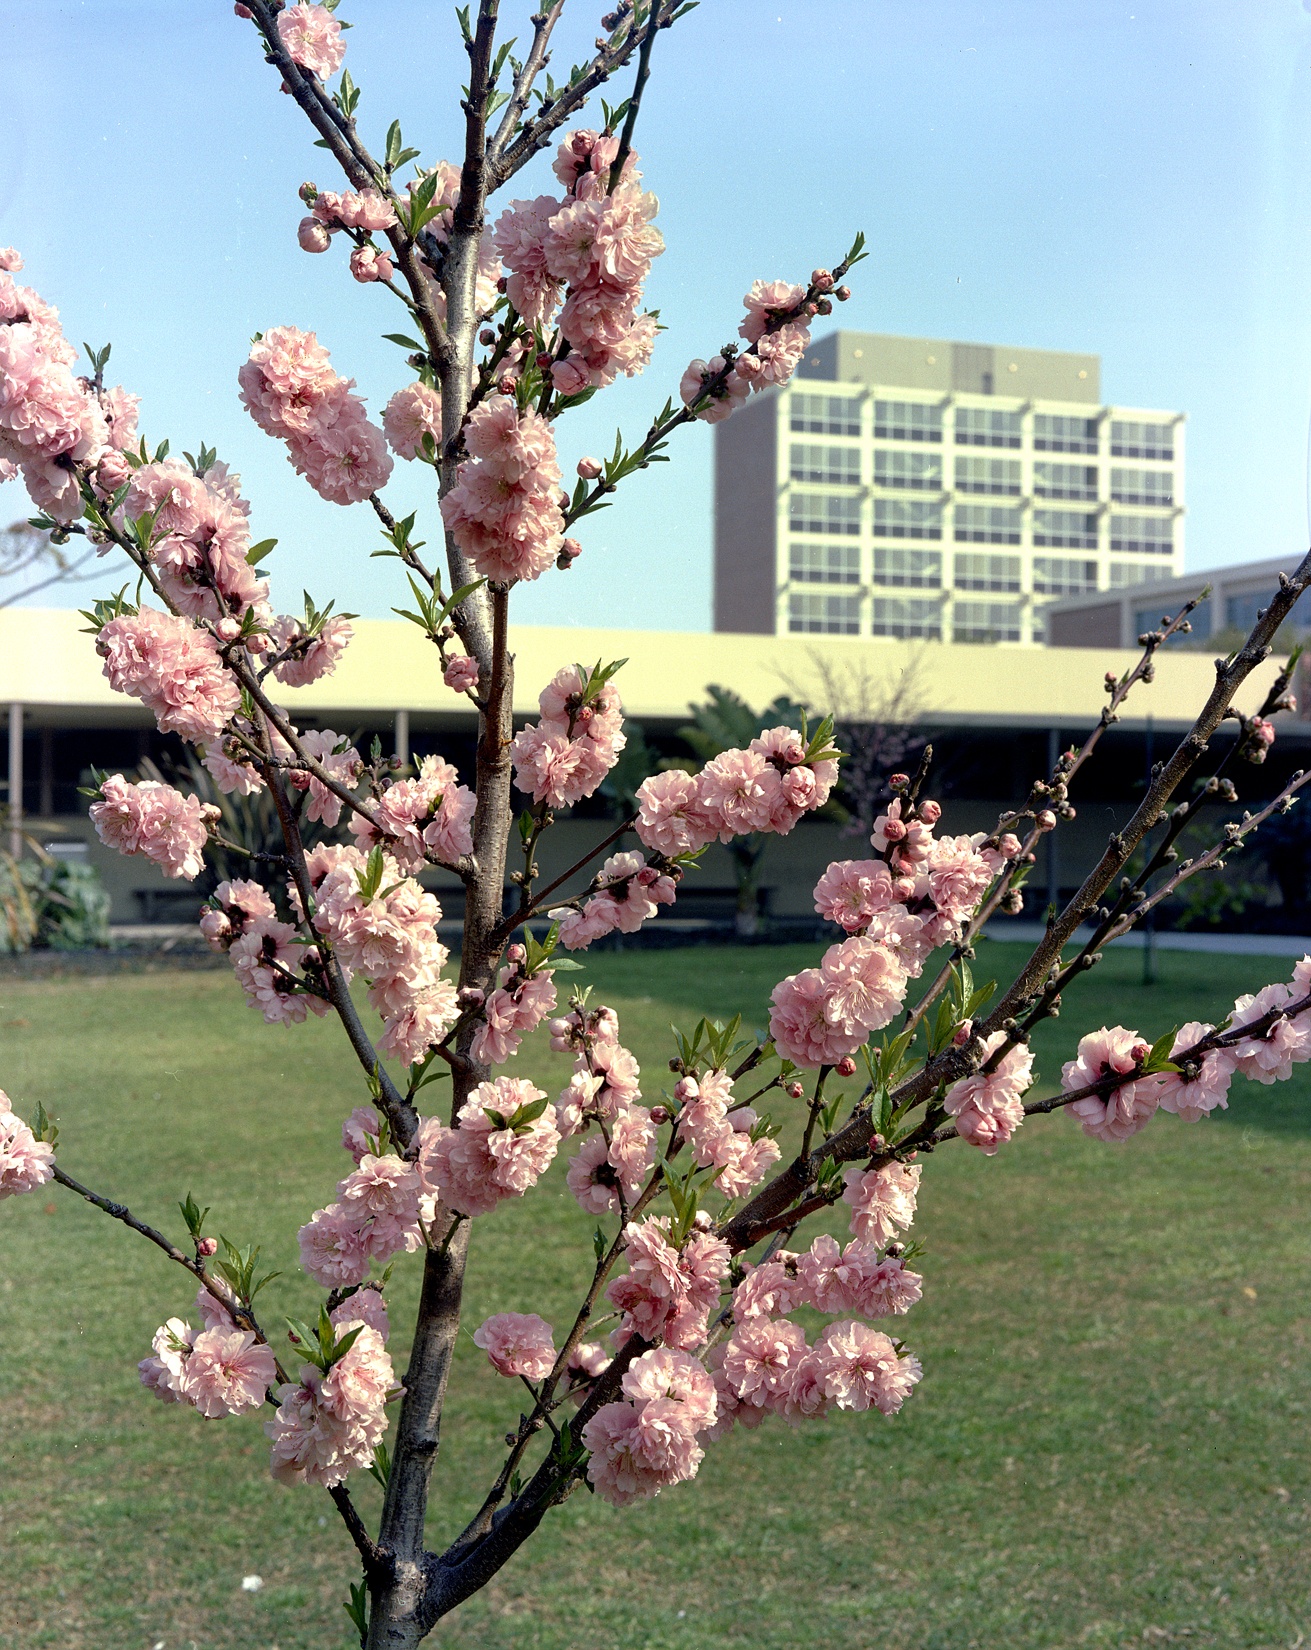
[{"x": 685, "y": 1326}]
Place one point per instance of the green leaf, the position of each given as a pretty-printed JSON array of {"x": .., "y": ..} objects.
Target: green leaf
[
  {"x": 406, "y": 343},
  {"x": 257, "y": 552}
]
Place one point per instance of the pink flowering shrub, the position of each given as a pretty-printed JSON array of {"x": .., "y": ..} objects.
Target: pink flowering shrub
[{"x": 511, "y": 315}]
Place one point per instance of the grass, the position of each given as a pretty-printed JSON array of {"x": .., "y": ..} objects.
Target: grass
[{"x": 1109, "y": 1446}]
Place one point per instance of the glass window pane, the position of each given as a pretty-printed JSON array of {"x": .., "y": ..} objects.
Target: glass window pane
[
  {"x": 824, "y": 563},
  {"x": 908, "y": 421},
  {"x": 1142, "y": 486},
  {"x": 987, "y": 475},
  {"x": 1071, "y": 529},
  {"x": 976, "y": 570},
  {"x": 986, "y": 524},
  {"x": 911, "y": 470},
  {"x": 824, "y": 513},
  {"x": 1060, "y": 433},
  {"x": 825, "y": 464},
  {"x": 920, "y": 569},
  {"x": 1065, "y": 480},
  {"x": 810, "y": 613},
  {"x": 986, "y": 622},
  {"x": 824, "y": 414},
  {"x": 907, "y": 518},
  {"x": 906, "y": 616},
  {"x": 1143, "y": 535},
  {"x": 987, "y": 427},
  {"x": 1135, "y": 439},
  {"x": 1060, "y": 576}
]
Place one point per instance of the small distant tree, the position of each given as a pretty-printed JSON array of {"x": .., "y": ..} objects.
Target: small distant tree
[{"x": 31, "y": 561}]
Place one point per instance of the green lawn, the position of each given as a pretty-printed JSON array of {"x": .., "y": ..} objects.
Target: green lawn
[{"x": 1109, "y": 1446}]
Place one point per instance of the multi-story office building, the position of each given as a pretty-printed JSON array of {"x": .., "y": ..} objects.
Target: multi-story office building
[{"x": 915, "y": 487}]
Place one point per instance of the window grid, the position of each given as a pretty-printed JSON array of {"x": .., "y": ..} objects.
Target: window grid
[
  {"x": 987, "y": 622},
  {"x": 910, "y": 569},
  {"x": 824, "y": 563},
  {"x": 1065, "y": 529},
  {"x": 824, "y": 414},
  {"x": 1142, "y": 486},
  {"x": 810, "y": 613},
  {"x": 898, "y": 518},
  {"x": 987, "y": 427},
  {"x": 840, "y": 465},
  {"x": 920, "y": 472},
  {"x": 824, "y": 513},
  {"x": 1065, "y": 480},
  {"x": 1127, "y": 573},
  {"x": 987, "y": 475},
  {"x": 1060, "y": 576},
  {"x": 1061, "y": 433},
  {"x": 1145, "y": 535},
  {"x": 906, "y": 616},
  {"x": 979, "y": 571},
  {"x": 986, "y": 524},
  {"x": 1132, "y": 438},
  {"x": 908, "y": 421}
]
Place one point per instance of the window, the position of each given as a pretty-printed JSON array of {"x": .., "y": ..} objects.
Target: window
[
  {"x": 1142, "y": 486},
  {"x": 1059, "y": 433},
  {"x": 1059, "y": 576},
  {"x": 975, "y": 571},
  {"x": 1065, "y": 480},
  {"x": 1147, "y": 535},
  {"x": 824, "y": 563},
  {"x": 907, "y": 616},
  {"x": 1130, "y": 439},
  {"x": 1065, "y": 529},
  {"x": 922, "y": 471},
  {"x": 824, "y": 513},
  {"x": 915, "y": 569},
  {"x": 810, "y": 613},
  {"x": 831, "y": 464},
  {"x": 907, "y": 518},
  {"x": 988, "y": 475},
  {"x": 987, "y": 524},
  {"x": 907, "y": 421},
  {"x": 1149, "y": 618},
  {"x": 825, "y": 414},
  {"x": 1241, "y": 611},
  {"x": 986, "y": 622},
  {"x": 1124, "y": 573},
  {"x": 987, "y": 427}
]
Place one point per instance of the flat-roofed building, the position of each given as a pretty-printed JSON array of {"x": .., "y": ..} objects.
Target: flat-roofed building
[
  {"x": 923, "y": 488},
  {"x": 1229, "y": 600}
]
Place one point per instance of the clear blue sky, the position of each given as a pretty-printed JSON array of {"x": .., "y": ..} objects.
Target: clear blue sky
[{"x": 1127, "y": 179}]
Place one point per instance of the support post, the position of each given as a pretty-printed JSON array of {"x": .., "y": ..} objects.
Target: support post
[
  {"x": 45, "y": 806},
  {"x": 402, "y": 738},
  {"x": 15, "y": 779}
]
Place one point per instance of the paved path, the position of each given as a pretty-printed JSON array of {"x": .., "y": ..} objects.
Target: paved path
[{"x": 1231, "y": 945}]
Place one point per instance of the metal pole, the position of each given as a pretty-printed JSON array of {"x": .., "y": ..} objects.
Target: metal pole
[
  {"x": 1053, "y": 866},
  {"x": 15, "y": 780},
  {"x": 402, "y": 737}
]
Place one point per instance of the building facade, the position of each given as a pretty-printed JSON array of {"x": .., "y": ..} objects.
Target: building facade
[
  {"x": 1229, "y": 600},
  {"x": 919, "y": 488}
]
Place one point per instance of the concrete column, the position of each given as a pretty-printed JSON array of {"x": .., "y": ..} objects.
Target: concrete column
[
  {"x": 402, "y": 737},
  {"x": 15, "y": 779},
  {"x": 46, "y": 798}
]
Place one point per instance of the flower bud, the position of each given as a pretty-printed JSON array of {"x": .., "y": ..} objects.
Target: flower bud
[
  {"x": 899, "y": 781},
  {"x": 1139, "y": 1052},
  {"x": 962, "y": 1033},
  {"x": 903, "y": 889},
  {"x": 502, "y": 285},
  {"x": 228, "y": 629},
  {"x": 571, "y": 548},
  {"x": 821, "y": 280},
  {"x": 685, "y": 1089},
  {"x": 894, "y": 830},
  {"x": 703, "y": 1220},
  {"x": 659, "y": 1114},
  {"x": 842, "y": 294},
  {"x": 505, "y": 384},
  {"x": 846, "y": 1066},
  {"x": 515, "y": 953},
  {"x": 309, "y": 193},
  {"x": 589, "y": 468},
  {"x": 1046, "y": 820},
  {"x": 486, "y": 336},
  {"x": 205, "y": 1247},
  {"x": 471, "y": 996},
  {"x": 930, "y": 812},
  {"x": 824, "y": 307},
  {"x": 313, "y": 236},
  {"x": 794, "y": 1090}
]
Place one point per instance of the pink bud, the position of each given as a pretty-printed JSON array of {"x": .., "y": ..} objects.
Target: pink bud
[
  {"x": 505, "y": 384},
  {"x": 846, "y": 1066},
  {"x": 1140, "y": 1051},
  {"x": 894, "y": 830},
  {"x": 930, "y": 812},
  {"x": 471, "y": 996},
  {"x": 794, "y": 1091},
  {"x": 312, "y": 235},
  {"x": 228, "y": 629},
  {"x": 685, "y": 1089},
  {"x": 112, "y": 471},
  {"x": 486, "y": 336},
  {"x": 703, "y": 1220},
  {"x": 821, "y": 280},
  {"x": 962, "y": 1033},
  {"x": 308, "y": 192},
  {"x": 899, "y": 781},
  {"x": 589, "y": 468},
  {"x": 659, "y": 1114},
  {"x": 842, "y": 294},
  {"x": 515, "y": 953},
  {"x": 1009, "y": 845},
  {"x": 1046, "y": 820},
  {"x": 242, "y": 11},
  {"x": 571, "y": 548},
  {"x": 205, "y": 1247},
  {"x": 903, "y": 889}
]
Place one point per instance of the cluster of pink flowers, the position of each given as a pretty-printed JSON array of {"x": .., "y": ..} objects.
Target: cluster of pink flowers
[
  {"x": 718, "y": 1130},
  {"x": 519, "y": 1004},
  {"x": 312, "y": 36},
  {"x": 51, "y": 421},
  {"x": 414, "y": 412},
  {"x": 667, "y": 1293},
  {"x": 223, "y": 1370},
  {"x": 200, "y": 537},
  {"x": 375, "y": 1215},
  {"x": 491, "y": 1154},
  {"x": 882, "y": 1201},
  {"x": 366, "y": 213},
  {"x": 390, "y": 938},
  {"x": 517, "y": 1343},
  {"x": 446, "y": 191},
  {"x": 608, "y": 1172},
  {"x": 989, "y": 1105},
  {"x": 280, "y": 977},
  {"x": 1201, "y": 1084},
  {"x": 25, "y": 1161},
  {"x": 155, "y": 820},
  {"x": 647, "y": 1441},
  {"x": 628, "y": 893},
  {"x": 504, "y": 510},
  {"x": 767, "y": 787},
  {"x": 418, "y": 819},
  {"x": 174, "y": 669},
  {"x": 563, "y": 757},
  {"x": 337, "y": 757},
  {"x": 329, "y": 1424},
  {"x": 291, "y": 391},
  {"x": 775, "y": 327},
  {"x": 303, "y": 656},
  {"x": 595, "y": 247},
  {"x": 897, "y": 908}
]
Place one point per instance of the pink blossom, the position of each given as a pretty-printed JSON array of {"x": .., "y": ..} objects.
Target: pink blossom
[
  {"x": 346, "y": 460},
  {"x": 25, "y": 1161},
  {"x": 856, "y": 1280},
  {"x": 312, "y": 36},
  {"x": 333, "y": 1249},
  {"x": 480, "y": 1161},
  {"x": 864, "y": 984},
  {"x": 771, "y": 1290},
  {"x": 504, "y": 511},
  {"x": 989, "y": 1105},
  {"x": 520, "y": 237},
  {"x": 882, "y": 1200},
  {"x": 461, "y": 673},
  {"x": 670, "y": 819},
  {"x": 361, "y": 1131},
  {"x": 1271, "y": 1057},
  {"x": 800, "y": 1025},
  {"x": 227, "y": 1372},
  {"x": 343, "y": 765},
  {"x": 738, "y": 792},
  {"x": 413, "y": 413},
  {"x": 363, "y": 1306},
  {"x": 381, "y": 1197},
  {"x": 312, "y": 235},
  {"x": 725, "y": 398},
  {"x": 154, "y": 820},
  {"x": 654, "y": 1289},
  {"x": 10, "y": 260},
  {"x": 852, "y": 891},
  {"x": 675, "y": 1377},
  {"x": 959, "y": 876},
  {"x": 288, "y": 383},
  {"x": 1112, "y": 1051},
  {"x": 761, "y": 1355},
  {"x": 1194, "y": 1099},
  {"x": 768, "y": 300},
  {"x": 174, "y": 669},
  {"x": 859, "y": 1369},
  {"x": 618, "y": 1468},
  {"x": 164, "y": 1373},
  {"x": 229, "y": 910},
  {"x": 368, "y": 264},
  {"x": 518, "y": 1343}
]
